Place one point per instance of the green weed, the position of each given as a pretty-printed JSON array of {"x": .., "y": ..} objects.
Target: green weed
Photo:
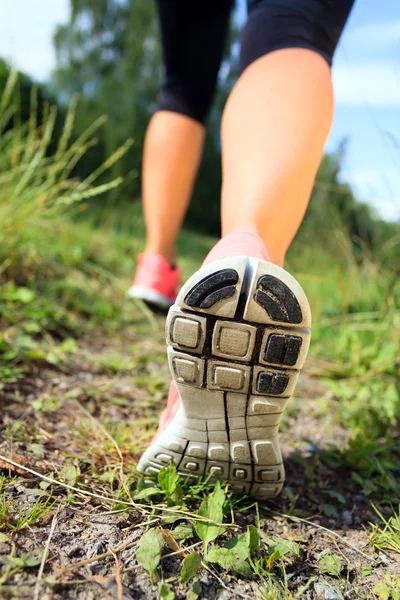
[
  {"x": 386, "y": 538},
  {"x": 388, "y": 589},
  {"x": 15, "y": 521}
]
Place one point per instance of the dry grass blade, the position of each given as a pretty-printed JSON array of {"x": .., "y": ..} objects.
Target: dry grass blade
[
  {"x": 36, "y": 594},
  {"x": 118, "y": 578},
  {"x": 112, "y": 440},
  {"x": 140, "y": 507},
  {"x": 92, "y": 559}
]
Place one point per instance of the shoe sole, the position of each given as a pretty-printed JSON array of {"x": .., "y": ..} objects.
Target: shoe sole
[
  {"x": 237, "y": 337},
  {"x": 153, "y": 299}
]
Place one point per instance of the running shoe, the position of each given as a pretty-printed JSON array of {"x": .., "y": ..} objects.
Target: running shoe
[
  {"x": 237, "y": 334},
  {"x": 155, "y": 282}
]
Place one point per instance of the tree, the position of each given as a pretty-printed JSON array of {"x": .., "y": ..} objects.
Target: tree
[{"x": 109, "y": 54}]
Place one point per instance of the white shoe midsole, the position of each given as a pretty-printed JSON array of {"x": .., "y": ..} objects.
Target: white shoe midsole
[{"x": 142, "y": 293}]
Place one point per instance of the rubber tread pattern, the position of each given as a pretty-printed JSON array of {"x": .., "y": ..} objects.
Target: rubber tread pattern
[
  {"x": 213, "y": 288},
  {"x": 282, "y": 349},
  {"x": 278, "y": 300},
  {"x": 271, "y": 383}
]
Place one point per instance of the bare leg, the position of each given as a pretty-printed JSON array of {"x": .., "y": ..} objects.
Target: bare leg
[
  {"x": 274, "y": 128},
  {"x": 172, "y": 152}
]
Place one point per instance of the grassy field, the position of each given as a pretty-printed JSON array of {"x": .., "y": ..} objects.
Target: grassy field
[{"x": 84, "y": 377}]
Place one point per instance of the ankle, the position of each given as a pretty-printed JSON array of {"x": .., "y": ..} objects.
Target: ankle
[
  {"x": 169, "y": 253},
  {"x": 275, "y": 248}
]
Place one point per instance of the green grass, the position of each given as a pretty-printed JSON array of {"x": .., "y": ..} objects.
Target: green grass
[
  {"x": 63, "y": 282},
  {"x": 387, "y": 538}
]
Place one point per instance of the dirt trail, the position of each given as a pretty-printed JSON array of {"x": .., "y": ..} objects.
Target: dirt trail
[{"x": 74, "y": 426}]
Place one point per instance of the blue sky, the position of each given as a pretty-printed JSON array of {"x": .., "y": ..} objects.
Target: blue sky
[{"x": 366, "y": 75}]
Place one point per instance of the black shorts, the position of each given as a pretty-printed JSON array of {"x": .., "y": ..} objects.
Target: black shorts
[{"x": 194, "y": 32}]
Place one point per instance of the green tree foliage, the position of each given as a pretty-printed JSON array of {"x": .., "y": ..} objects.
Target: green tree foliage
[{"x": 109, "y": 54}]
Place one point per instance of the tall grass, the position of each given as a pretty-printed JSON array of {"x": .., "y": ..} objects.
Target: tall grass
[{"x": 38, "y": 191}]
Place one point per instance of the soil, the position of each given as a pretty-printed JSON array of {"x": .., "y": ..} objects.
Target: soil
[{"x": 322, "y": 508}]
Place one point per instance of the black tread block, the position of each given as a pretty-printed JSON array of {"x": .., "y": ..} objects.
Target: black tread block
[
  {"x": 270, "y": 305},
  {"x": 271, "y": 383},
  {"x": 282, "y": 349},
  {"x": 213, "y": 288},
  {"x": 275, "y": 349},
  {"x": 214, "y": 297},
  {"x": 292, "y": 350},
  {"x": 281, "y": 297}
]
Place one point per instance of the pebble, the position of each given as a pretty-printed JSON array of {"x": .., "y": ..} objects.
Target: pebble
[
  {"x": 326, "y": 591},
  {"x": 347, "y": 517}
]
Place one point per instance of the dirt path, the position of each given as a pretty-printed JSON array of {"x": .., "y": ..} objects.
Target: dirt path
[{"x": 86, "y": 427}]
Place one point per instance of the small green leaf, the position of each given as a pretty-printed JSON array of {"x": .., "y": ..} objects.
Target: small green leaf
[
  {"x": 69, "y": 346},
  {"x": 69, "y": 474},
  {"x": 233, "y": 557},
  {"x": 149, "y": 551},
  {"x": 37, "y": 450},
  {"x": 332, "y": 564},
  {"x": 285, "y": 547},
  {"x": 30, "y": 559},
  {"x": 195, "y": 590},
  {"x": 168, "y": 479},
  {"x": 367, "y": 571},
  {"x": 38, "y": 403},
  {"x": 146, "y": 493},
  {"x": 190, "y": 566},
  {"x": 165, "y": 592},
  {"x": 382, "y": 591},
  {"x": 168, "y": 482},
  {"x": 182, "y": 532},
  {"x": 16, "y": 561},
  {"x": 21, "y": 294},
  {"x": 229, "y": 560},
  {"x": 253, "y": 539},
  {"x": 239, "y": 546},
  {"x": 211, "y": 508},
  {"x": 329, "y": 510},
  {"x": 337, "y": 495},
  {"x": 3, "y": 538}
]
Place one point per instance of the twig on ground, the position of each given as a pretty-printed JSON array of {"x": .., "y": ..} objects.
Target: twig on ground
[
  {"x": 87, "y": 561},
  {"x": 45, "y": 554}
]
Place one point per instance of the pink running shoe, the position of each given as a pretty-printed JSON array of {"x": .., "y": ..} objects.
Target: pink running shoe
[
  {"x": 156, "y": 283},
  {"x": 238, "y": 335}
]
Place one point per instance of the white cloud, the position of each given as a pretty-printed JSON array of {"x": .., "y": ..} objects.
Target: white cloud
[
  {"x": 376, "y": 83},
  {"x": 26, "y": 32}
]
